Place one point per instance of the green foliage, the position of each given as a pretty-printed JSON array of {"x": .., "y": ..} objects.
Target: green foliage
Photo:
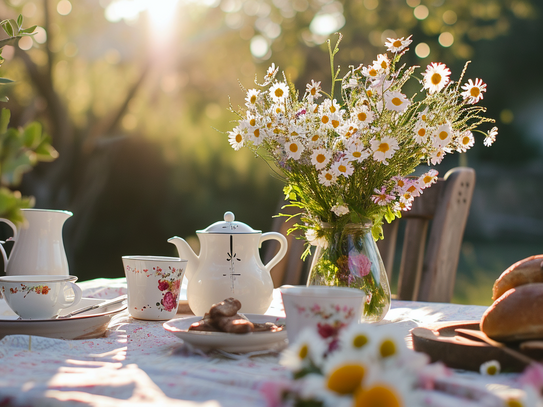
[{"x": 20, "y": 148}]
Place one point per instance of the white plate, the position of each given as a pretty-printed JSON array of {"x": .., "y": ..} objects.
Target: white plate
[
  {"x": 238, "y": 343},
  {"x": 87, "y": 325}
]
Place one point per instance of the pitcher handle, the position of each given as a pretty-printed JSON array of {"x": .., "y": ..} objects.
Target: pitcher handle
[
  {"x": 11, "y": 239},
  {"x": 282, "y": 250}
]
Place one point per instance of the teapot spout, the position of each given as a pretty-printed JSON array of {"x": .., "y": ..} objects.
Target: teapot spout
[{"x": 186, "y": 252}]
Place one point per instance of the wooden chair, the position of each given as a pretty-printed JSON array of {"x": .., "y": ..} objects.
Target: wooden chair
[{"x": 434, "y": 229}]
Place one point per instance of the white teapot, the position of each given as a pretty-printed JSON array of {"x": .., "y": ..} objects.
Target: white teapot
[{"x": 229, "y": 265}]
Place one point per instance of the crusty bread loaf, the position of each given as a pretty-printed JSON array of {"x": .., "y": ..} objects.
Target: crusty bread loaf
[
  {"x": 517, "y": 315},
  {"x": 526, "y": 271}
]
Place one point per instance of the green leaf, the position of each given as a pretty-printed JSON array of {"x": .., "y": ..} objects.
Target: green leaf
[
  {"x": 5, "y": 115},
  {"x": 45, "y": 151},
  {"x": 28, "y": 30},
  {"x": 14, "y": 26},
  {"x": 7, "y": 28},
  {"x": 32, "y": 135},
  {"x": 4, "y": 98},
  {"x": 20, "y": 21},
  {"x": 3, "y": 81}
]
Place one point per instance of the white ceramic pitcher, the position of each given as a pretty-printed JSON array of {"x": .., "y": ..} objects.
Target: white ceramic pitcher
[{"x": 38, "y": 248}]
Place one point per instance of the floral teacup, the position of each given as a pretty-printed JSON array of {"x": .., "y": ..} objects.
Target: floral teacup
[
  {"x": 154, "y": 285},
  {"x": 39, "y": 296},
  {"x": 325, "y": 309}
]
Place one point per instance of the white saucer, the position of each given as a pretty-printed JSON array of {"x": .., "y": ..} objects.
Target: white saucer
[
  {"x": 87, "y": 325},
  {"x": 228, "y": 342}
]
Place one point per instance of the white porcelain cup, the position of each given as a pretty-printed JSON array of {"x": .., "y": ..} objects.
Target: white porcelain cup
[
  {"x": 154, "y": 285},
  {"x": 325, "y": 309},
  {"x": 39, "y": 296}
]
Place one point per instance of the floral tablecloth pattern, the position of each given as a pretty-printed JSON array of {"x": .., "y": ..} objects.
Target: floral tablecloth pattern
[{"x": 138, "y": 362}]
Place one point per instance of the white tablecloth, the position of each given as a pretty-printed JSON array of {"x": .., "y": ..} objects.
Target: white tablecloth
[{"x": 138, "y": 362}]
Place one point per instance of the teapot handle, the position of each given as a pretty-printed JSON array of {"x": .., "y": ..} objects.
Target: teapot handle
[
  {"x": 282, "y": 250},
  {"x": 11, "y": 239}
]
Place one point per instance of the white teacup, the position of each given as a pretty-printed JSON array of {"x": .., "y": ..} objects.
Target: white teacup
[
  {"x": 154, "y": 285},
  {"x": 39, "y": 297},
  {"x": 326, "y": 309}
]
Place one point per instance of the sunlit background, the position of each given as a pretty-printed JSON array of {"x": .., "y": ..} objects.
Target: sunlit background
[{"x": 135, "y": 95}]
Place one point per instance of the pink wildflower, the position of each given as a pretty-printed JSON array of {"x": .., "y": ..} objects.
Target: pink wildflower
[
  {"x": 382, "y": 198},
  {"x": 359, "y": 265}
]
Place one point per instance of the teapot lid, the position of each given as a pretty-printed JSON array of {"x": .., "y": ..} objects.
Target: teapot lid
[{"x": 229, "y": 226}]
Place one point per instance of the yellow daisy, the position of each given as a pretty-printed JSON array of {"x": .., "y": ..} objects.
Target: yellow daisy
[{"x": 436, "y": 77}]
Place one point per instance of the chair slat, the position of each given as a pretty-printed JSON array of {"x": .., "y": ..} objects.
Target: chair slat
[{"x": 416, "y": 231}]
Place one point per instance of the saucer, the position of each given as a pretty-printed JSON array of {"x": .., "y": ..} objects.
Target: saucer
[
  {"x": 87, "y": 325},
  {"x": 229, "y": 342}
]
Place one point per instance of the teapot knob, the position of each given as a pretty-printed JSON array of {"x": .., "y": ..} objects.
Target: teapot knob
[{"x": 229, "y": 216}]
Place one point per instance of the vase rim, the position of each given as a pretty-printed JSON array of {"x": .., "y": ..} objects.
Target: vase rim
[{"x": 361, "y": 225}]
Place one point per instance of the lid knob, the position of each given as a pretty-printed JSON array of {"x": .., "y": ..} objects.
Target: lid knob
[{"x": 229, "y": 217}]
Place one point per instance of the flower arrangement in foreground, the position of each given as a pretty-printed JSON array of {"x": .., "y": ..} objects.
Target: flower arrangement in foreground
[
  {"x": 372, "y": 367},
  {"x": 349, "y": 161}
]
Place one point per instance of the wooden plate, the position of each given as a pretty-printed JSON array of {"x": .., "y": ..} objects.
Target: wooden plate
[{"x": 442, "y": 343}]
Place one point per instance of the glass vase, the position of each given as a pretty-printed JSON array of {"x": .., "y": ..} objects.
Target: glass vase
[{"x": 351, "y": 259}]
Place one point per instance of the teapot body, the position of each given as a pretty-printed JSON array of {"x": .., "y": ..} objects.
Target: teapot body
[
  {"x": 230, "y": 266},
  {"x": 39, "y": 247}
]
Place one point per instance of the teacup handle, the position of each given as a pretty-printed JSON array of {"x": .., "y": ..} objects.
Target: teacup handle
[
  {"x": 282, "y": 250},
  {"x": 77, "y": 295},
  {"x": 11, "y": 239}
]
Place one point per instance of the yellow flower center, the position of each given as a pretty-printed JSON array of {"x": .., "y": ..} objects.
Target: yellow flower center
[
  {"x": 346, "y": 379},
  {"x": 491, "y": 370},
  {"x": 239, "y": 138},
  {"x": 377, "y": 396},
  {"x": 514, "y": 403},
  {"x": 315, "y": 137},
  {"x": 372, "y": 72},
  {"x": 313, "y": 91},
  {"x": 304, "y": 350},
  {"x": 279, "y": 92},
  {"x": 427, "y": 179},
  {"x": 362, "y": 116},
  {"x": 342, "y": 168},
  {"x": 388, "y": 348},
  {"x": 401, "y": 183},
  {"x": 252, "y": 122},
  {"x": 360, "y": 340},
  {"x": 397, "y": 44},
  {"x": 436, "y": 79},
  {"x": 357, "y": 154},
  {"x": 421, "y": 132},
  {"x": 383, "y": 147},
  {"x": 369, "y": 93},
  {"x": 396, "y": 101},
  {"x": 332, "y": 109},
  {"x": 278, "y": 110},
  {"x": 253, "y": 99},
  {"x": 320, "y": 158},
  {"x": 325, "y": 119},
  {"x": 465, "y": 140},
  {"x": 384, "y": 64},
  {"x": 328, "y": 176},
  {"x": 423, "y": 117},
  {"x": 293, "y": 147},
  {"x": 443, "y": 135},
  {"x": 256, "y": 133},
  {"x": 475, "y": 92},
  {"x": 335, "y": 123}
]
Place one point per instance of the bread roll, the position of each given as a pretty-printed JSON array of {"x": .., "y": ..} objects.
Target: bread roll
[
  {"x": 526, "y": 271},
  {"x": 517, "y": 315}
]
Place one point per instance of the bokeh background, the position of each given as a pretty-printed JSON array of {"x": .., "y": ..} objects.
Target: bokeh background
[{"x": 135, "y": 95}]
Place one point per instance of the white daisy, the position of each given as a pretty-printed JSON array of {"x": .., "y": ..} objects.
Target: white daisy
[
  {"x": 294, "y": 148},
  {"x": 357, "y": 338},
  {"x": 384, "y": 148},
  {"x": 389, "y": 344},
  {"x": 396, "y": 101},
  {"x": 412, "y": 187},
  {"x": 236, "y": 138},
  {"x": 256, "y": 135},
  {"x": 424, "y": 115},
  {"x": 251, "y": 98},
  {"x": 428, "y": 178},
  {"x": 473, "y": 91},
  {"x": 342, "y": 167},
  {"x": 464, "y": 141},
  {"x": 308, "y": 349},
  {"x": 270, "y": 73},
  {"x": 491, "y": 137},
  {"x": 357, "y": 152},
  {"x": 402, "y": 205},
  {"x": 437, "y": 156},
  {"x": 277, "y": 109},
  {"x": 490, "y": 368},
  {"x": 330, "y": 106},
  {"x": 320, "y": 158},
  {"x": 340, "y": 210},
  {"x": 397, "y": 45},
  {"x": 314, "y": 389},
  {"x": 436, "y": 77},
  {"x": 336, "y": 120},
  {"x": 442, "y": 135},
  {"x": 314, "y": 239},
  {"x": 363, "y": 115},
  {"x": 421, "y": 132},
  {"x": 371, "y": 71},
  {"x": 314, "y": 89},
  {"x": 348, "y": 130},
  {"x": 344, "y": 372},
  {"x": 382, "y": 62},
  {"x": 315, "y": 138},
  {"x": 388, "y": 388},
  {"x": 279, "y": 91},
  {"x": 327, "y": 177}
]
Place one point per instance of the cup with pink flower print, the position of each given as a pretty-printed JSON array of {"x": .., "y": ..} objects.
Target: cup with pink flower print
[
  {"x": 154, "y": 285},
  {"x": 327, "y": 310}
]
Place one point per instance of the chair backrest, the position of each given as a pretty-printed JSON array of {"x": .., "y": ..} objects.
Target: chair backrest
[{"x": 434, "y": 229}]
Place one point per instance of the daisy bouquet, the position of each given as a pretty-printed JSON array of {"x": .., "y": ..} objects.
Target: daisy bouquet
[{"x": 350, "y": 160}]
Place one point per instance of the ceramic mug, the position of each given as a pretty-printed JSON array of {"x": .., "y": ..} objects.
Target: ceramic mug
[
  {"x": 154, "y": 285},
  {"x": 39, "y": 297},
  {"x": 325, "y": 309}
]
